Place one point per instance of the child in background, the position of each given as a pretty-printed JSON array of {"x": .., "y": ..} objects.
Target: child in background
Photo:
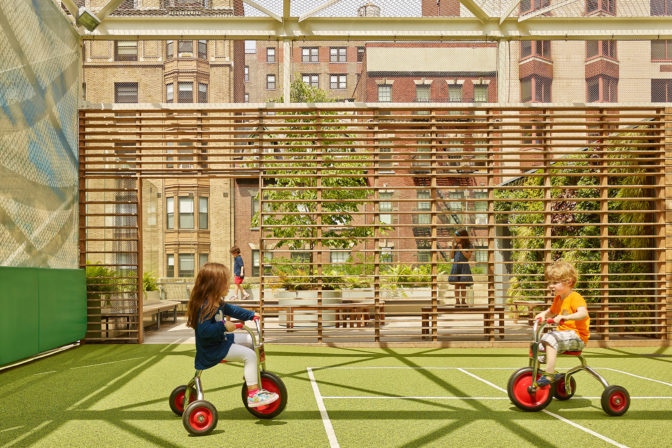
[
  {"x": 214, "y": 338},
  {"x": 570, "y": 312},
  {"x": 460, "y": 272},
  {"x": 238, "y": 274}
]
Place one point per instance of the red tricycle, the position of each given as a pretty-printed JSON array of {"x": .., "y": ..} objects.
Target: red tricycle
[
  {"x": 200, "y": 416},
  {"x": 528, "y": 396}
]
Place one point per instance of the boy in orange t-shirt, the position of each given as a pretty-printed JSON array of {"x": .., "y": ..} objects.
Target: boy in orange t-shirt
[{"x": 570, "y": 312}]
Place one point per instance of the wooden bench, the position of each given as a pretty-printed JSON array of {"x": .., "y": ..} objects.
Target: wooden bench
[
  {"x": 488, "y": 311},
  {"x": 534, "y": 307},
  {"x": 156, "y": 307}
]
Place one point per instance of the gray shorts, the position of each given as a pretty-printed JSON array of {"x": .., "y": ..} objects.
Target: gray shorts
[{"x": 563, "y": 341}]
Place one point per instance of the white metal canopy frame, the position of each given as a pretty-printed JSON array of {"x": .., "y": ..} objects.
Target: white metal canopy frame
[{"x": 491, "y": 20}]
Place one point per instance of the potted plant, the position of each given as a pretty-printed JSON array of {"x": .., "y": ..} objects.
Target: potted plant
[{"x": 150, "y": 286}]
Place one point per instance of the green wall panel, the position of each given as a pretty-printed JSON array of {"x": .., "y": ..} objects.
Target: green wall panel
[
  {"x": 40, "y": 309},
  {"x": 62, "y": 294},
  {"x": 19, "y": 314}
]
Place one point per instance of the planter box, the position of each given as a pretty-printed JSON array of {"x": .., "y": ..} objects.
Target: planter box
[{"x": 308, "y": 318}]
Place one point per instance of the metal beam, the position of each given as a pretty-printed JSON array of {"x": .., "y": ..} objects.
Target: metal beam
[
  {"x": 108, "y": 8},
  {"x": 476, "y": 10},
  {"x": 314, "y": 11},
  {"x": 541, "y": 11},
  {"x": 384, "y": 28},
  {"x": 514, "y": 4},
  {"x": 267, "y": 11}
]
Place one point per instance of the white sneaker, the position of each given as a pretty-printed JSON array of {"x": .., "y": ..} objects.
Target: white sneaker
[{"x": 261, "y": 398}]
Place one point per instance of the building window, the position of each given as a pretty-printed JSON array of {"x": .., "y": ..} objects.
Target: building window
[
  {"x": 169, "y": 93},
  {"x": 385, "y": 93},
  {"x": 247, "y": 73},
  {"x": 270, "y": 54},
  {"x": 337, "y": 54},
  {"x": 360, "y": 53},
  {"x": 125, "y": 50},
  {"x": 386, "y": 255},
  {"x": 169, "y": 49},
  {"x": 339, "y": 256},
  {"x": 202, "y": 259},
  {"x": 170, "y": 213},
  {"x": 422, "y": 93},
  {"x": 300, "y": 257},
  {"x": 604, "y": 48},
  {"x": 186, "y": 265},
  {"x": 602, "y": 89},
  {"x": 481, "y": 93},
  {"x": 594, "y": 6},
  {"x": 203, "y": 49},
  {"x": 424, "y": 256},
  {"x": 84, "y": 91},
  {"x": 480, "y": 254},
  {"x": 661, "y": 7},
  {"x": 661, "y": 50},
  {"x": 170, "y": 265},
  {"x": 537, "y": 48},
  {"x": 185, "y": 92},
  {"x": 338, "y": 81},
  {"x": 247, "y": 97},
  {"x": 203, "y": 213},
  {"x": 385, "y": 207},
  {"x": 455, "y": 93},
  {"x": 424, "y": 204},
  {"x": 268, "y": 256},
  {"x": 385, "y": 157},
  {"x": 310, "y": 54},
  {"x": 270, "y": 82},
  {"x": 250, "y": 46},
  {"x": 186, "y": 212},
  {"x": 532, "y": 5},
  {"x": 535, "y": 89},
  {"x": 661, "y": 90},
  {"x": 185, "y": 46},
  {"x": 125, "y": 92},
  {"x": 311, "y": 79},
  {"x": 202, "y": 93}
]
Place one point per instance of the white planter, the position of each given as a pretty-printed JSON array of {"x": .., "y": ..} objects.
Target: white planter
[{"x": 307, "y": 318}]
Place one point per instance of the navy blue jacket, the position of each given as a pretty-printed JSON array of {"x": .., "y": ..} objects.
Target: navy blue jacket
[{"x": 212, "y": 341}]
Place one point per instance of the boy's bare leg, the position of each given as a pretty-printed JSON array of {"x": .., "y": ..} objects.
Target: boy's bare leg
[{"x": 551, "y": 356}]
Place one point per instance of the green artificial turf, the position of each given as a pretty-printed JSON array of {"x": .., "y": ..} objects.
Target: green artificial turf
[{"x": 117, "y": 395}]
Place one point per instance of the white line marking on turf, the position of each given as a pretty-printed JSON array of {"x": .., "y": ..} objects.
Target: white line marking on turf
[
  {"x": 382, "y": 397},
  {"x": 416, "y": 368},
  {"x": 419, "y": 398},
  {"x": 12, "y": 428},
  {"x": 636, "y": 376},
  {"x": 44, "y": 373},
  {"x": 593, "y": 433},
  {"x": 331, "y": 435},
  {"x": 482, "y": 380},
  {"x": 16, "y": 442},
  {"x": 105, "y": 363}
]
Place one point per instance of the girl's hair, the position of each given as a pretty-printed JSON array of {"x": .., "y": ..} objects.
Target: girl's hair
[
  {"x": 463, "y": 238},
  {"x": 562, "y": 271},
  {"x": 211, "y": 282},
  {"x": 235, "y": 250}
]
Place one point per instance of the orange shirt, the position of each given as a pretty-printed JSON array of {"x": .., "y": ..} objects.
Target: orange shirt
[{"x": 570, "y": 305}]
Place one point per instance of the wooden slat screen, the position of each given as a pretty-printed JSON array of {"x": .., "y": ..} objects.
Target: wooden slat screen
[{"x": 359, "y": 207}]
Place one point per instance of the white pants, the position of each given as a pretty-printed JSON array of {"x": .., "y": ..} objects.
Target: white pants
[{"x": 242, "y": 351}]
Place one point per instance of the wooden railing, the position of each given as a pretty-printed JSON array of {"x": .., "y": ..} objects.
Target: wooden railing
[{"x": 363, "y": 203}]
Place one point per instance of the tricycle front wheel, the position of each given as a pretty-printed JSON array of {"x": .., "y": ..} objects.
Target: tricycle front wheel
[
  {"x": 271, "y": 383},
  {"x": 523, "y": 396}
]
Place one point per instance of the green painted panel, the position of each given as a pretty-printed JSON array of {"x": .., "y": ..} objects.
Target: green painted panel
[
  {"x": 62, "y": 298},
  {"x": 40, "y": 309},
  {"x": 19, "y": 315}
]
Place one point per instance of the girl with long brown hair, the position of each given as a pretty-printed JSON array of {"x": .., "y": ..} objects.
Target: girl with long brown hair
[{"x": 215, "y": 339}]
